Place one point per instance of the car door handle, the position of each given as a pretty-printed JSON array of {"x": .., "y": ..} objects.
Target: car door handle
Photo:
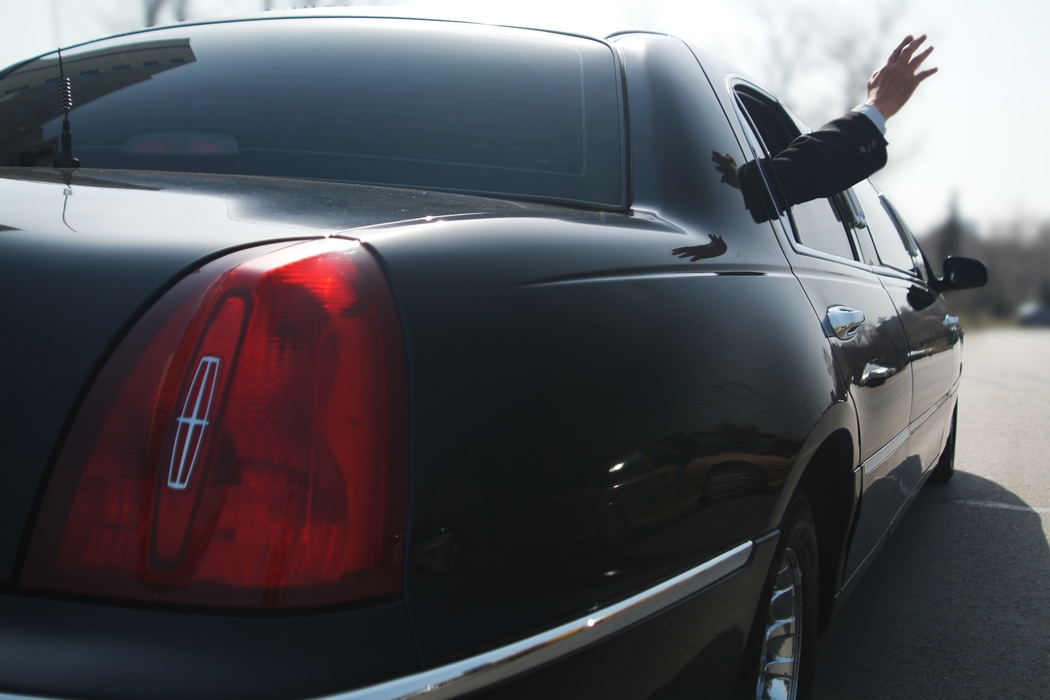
[
  {"x": 951, "y": 324},
  {"x": 876, "y": 375},
  {"x": 843, "y": 321}
]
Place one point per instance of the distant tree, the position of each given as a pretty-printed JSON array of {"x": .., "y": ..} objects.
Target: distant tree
[
  {"x": 152, "y": 9},
  {"x": 1044, "y": 292},
  {"x": 181, "y": 11},
  {"x": 269, "y": 4},
  {"x": 818, "y": 58},
  {"x": 952, "y": 237},
  {"x": 1017, "y": 255}
]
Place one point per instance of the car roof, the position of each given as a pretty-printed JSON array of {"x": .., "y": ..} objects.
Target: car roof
[
  {"x": 587, "y": 25},
  {"x": 590, "y": 27}
]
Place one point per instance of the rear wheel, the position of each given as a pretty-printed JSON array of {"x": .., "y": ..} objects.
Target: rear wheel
[
  {"x": 946, "y": 464},
  {"x": 779, "y": 659}
]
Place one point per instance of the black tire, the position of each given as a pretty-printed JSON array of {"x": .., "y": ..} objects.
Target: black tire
[
  {"x": 795, "y": 565},
  {"x": 945, "y": 467}
]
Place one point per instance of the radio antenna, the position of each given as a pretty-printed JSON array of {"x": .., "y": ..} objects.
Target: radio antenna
[{"x": 65, "y": 103}]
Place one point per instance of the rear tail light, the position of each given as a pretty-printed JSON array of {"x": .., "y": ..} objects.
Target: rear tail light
[{"x": 245, "y": 445}]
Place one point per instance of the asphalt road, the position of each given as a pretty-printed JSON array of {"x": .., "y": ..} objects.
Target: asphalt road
[{"x": 958, "y": 603}]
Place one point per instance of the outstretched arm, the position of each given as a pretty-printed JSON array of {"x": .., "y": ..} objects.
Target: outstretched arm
[
  {"x": 891, "y": 86},
  {"x": 842, "y": 152}
]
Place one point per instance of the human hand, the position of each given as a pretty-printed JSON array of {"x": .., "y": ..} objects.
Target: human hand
[
  {"x": 891, "y": 86},
  {"x": 725, "y": 164}
]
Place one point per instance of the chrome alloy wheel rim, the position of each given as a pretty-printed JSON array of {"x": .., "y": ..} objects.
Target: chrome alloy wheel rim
[{"x": 778, "y": 665}]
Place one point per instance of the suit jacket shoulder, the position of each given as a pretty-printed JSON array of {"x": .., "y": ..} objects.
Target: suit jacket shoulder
[{"x": 836, "y": 156}]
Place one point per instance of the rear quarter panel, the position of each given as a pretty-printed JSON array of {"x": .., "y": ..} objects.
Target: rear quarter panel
[{"x": 544, "y": 353}]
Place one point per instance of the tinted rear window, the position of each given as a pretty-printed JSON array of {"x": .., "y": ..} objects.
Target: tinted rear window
[{"x": 433, "y": 105}]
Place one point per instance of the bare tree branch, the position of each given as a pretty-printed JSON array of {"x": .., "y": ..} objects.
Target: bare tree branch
[
  {"x": 152, "y": 9},
  {"x": 819, "y": 59}
]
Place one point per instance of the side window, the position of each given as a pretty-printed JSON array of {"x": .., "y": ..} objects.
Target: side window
[
  {"x": 890, "y": 242},
  {"x": 820, "y": 224},
  {"x": 918, "y": 257},
  {"x": 859, "y": 224}
]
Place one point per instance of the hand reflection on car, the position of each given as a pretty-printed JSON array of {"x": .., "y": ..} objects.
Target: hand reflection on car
[
  {"x": 712, "y": 249},
  {"x": 725, "y": 164}
]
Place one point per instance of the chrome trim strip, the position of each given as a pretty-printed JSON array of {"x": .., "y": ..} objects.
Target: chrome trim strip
[
  {"x": 914, "y": 355},
  {"x": 875, "y": 461},
  {"x": 658, "y": 272},
  {"x": 500, "y": 664},
  {"x": 917, "y": 423}
]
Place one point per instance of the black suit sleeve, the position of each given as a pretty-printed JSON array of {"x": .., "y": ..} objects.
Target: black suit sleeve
[{"x": 820, "y": 164}]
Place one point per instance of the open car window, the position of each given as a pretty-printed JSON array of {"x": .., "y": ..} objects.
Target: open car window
[{"x": 820, "y": 224}]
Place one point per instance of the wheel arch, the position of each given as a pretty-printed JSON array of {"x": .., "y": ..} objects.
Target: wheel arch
[
  {"x": 829, "y": 486},
  {"x": 826, "y": 473}
]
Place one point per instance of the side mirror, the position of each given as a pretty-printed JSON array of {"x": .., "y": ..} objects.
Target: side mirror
[{"x": 963, "y": 273}]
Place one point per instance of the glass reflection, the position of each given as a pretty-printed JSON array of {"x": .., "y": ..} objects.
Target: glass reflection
[{"x": 29, "y": 95}]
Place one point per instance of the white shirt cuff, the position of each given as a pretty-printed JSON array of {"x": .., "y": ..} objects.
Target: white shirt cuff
[{"x": 874, "y": 115}]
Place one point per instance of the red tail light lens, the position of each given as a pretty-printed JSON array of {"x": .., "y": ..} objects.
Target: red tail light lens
[{"x": 244, "y": 446}]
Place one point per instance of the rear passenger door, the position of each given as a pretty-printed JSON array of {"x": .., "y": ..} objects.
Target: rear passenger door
[
  {"x": 931, "y": 329},
  {"x": 825, "y": 254}
]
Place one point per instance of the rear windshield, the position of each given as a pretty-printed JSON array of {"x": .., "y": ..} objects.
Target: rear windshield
[{"x": 419, "y": 104}]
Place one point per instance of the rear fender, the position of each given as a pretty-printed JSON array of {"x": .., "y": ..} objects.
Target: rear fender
[{"x": 841, "y": 415}]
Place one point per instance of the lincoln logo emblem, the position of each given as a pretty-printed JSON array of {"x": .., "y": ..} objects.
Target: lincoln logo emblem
[{"x": 192, "y": 422}]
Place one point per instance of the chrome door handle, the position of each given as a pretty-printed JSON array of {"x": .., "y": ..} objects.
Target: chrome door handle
[
  {"x": 843, "y": 322},
  {"x": 876, "y": 375},
  {"x": 951, "y": 324}
]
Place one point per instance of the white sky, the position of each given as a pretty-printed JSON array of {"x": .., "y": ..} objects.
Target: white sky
[{"x": 976, "y": 129}]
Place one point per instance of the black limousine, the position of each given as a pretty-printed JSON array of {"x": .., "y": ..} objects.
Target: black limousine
[{"x": 354, "y": 358}]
